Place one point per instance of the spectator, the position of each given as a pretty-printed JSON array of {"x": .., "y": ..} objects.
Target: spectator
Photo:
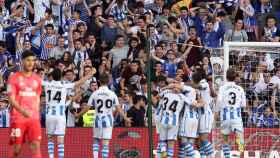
[
  {"x": 270, "y": 32},
  {"x": 238, "y": 34},
  {"x": 250, "y": 23},
  {"x": 134, "y": 49},
  {"x": 96, "y": 21},
  {"x": 119, "y": 51},
  {"x": 58, "y": 51},
  {"x": 192, "y": 54},
  {"x": 210, "y": 37},
  {"x": 48, "y": 42},
  {"x": 79, "y": 53},
  {"x": 170, "y": 65},
  {"x": 137, "y": 112},
  {"x": 82, "y": 7},
  {"x": 119, "y": 10},
  {"x": 4, "y": 112},
  {"x": 267, "y": 119},
  {"x": 109, "y": 31},
  {"x": 132, "y": 76}
]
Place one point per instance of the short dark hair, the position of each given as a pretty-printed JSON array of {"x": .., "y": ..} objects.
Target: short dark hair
[
  {"x": 192, "y": 27},
  {"x": 56, "y": 74},
  {"x": 231, "y": 74},
  {"x": 137, "y": 98},
  {"x": 27, "y": 53},
  {"x": 66, "y": 71},
  {"x": 49, "y": 11},
  {"x": 77, "y": 11},
  {"x": 198, "y": 76},
  {"x": 104, "y": 79},
  {"x": 184, "y": 8},
  {"x": 2, "y": 44},
  {"x": 49, "y": 25}
]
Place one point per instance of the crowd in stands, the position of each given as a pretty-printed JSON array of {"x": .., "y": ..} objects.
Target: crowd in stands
[{"x": 118, "y": 37}]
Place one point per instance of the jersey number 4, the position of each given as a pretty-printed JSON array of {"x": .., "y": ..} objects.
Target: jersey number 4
[
  {"x": 56, "y": 97},
  {"x": 100, "y": 103},
  {"x": 172, "y": 106}
]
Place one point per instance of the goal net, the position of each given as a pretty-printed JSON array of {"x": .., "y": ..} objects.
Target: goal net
[{"x": 257, "y": 64}]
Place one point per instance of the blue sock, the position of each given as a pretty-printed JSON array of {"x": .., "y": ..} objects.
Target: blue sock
[
  {"x": 95, "y": 148},
  {"x": 207, "y": 148},
  {"x": 226, "y": 150},
  {"x": 170, "y": 152},
  {"x": 105, "y": 151},
  {"x": 51, "y": 149},
  {"x": 189, "y": 150},
  {"x": 181, "y": 153},
  {"x": 60, "y": 150},
  {"x": 159, "y": 149}
]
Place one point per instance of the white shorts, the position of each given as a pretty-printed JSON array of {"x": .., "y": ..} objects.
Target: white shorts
[
  {"x": 102, "y": 133},
  {"x": 157, "y": 122},
  {"x": 188, "y": 127},
  {"x": 55, "y": 125},
  {"x": 205, "y": 122},
  {"x": 168, "y": 132},
  {"x": 228, "y": 126}
]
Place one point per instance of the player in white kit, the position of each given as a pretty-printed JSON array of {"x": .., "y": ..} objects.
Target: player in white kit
[
  {"x": 56, "y": 96},
  {"x": 172, "y": 104},
  {"x": 157, "y": 121},
  {"x": 206, "y": 116},
  {"x": 231, "y": 99},
  {"x": 189, "y": 122},
  {"x": 105, "y": 102}
]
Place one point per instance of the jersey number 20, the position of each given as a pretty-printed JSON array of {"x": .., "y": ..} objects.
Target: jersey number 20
[{"x": 108, "y": 104}]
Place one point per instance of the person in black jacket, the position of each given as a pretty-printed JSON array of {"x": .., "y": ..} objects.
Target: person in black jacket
[{"x": 137, "y": 112}]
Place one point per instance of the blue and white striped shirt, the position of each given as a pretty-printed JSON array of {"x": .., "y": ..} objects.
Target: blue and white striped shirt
[
  {"x": 47, "y": 44},
  {"x": 4, "y": 117},
  {"x": 172, "y": 105},
  {"x": 231, "y": 98}
]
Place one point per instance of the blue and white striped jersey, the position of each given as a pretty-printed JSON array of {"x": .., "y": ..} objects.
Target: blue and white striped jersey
[
  {"x": 190, "y": 97},
  {"x": 56, "y": 93},
  {"x": 159, "y": 107},
  {"x": 5, "y": 117},
  {"x": 204, "y": 92},
  {"x": 231, "y": 98},
  {"x": 171, "y": 106},
  {"x": 104, "y": 101},
  {"x": 47, "y": 44}
]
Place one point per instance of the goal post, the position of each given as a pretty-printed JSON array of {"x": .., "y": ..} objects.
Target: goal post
[{"x": 255, "y": 63}]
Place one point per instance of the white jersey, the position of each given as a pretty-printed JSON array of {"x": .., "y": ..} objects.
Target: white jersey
[
  {"x": 189, "y": 119},
  {"x": 172, "y": 105},
  {"x": 56, "y": 93},
  {"x": 190, "y": 97},
  {"x": 231, "y": 98},
  {"x": 204, "y": 92},
  {"x": 104, "y": 101}
]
